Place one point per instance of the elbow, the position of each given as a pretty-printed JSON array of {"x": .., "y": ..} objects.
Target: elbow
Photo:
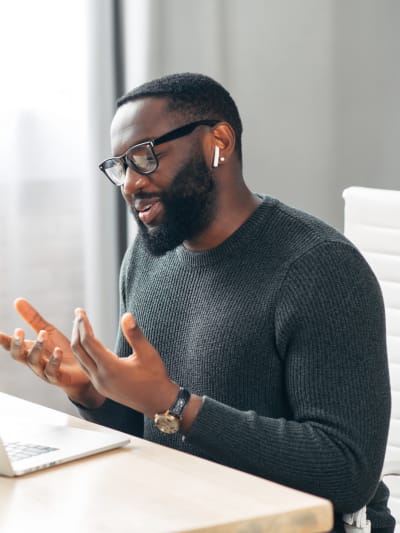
[{"x": 356, "y": 488}]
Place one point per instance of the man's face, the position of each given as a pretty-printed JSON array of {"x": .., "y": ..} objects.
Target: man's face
[
  {"x": 176, "y": 202},
  {"x": 188, "y": 206}
]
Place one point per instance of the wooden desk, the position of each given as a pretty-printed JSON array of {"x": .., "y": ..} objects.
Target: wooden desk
[{"x": 147, "y": 488}]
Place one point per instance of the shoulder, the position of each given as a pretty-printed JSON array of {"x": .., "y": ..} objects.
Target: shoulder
[
  {"x": 331, "y": 283},
  {"x": 298, "y": 227},
  {"x": 313, "y": 257},
  {"x": 292, "y": 234}
]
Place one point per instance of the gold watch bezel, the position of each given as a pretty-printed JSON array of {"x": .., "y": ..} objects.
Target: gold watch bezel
[{"x": 167, "y": 422}]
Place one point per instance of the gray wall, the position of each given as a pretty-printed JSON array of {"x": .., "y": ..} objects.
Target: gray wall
[{"x": 316, "y": 81}]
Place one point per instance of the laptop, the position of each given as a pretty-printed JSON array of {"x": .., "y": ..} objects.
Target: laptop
[{"x": 25, "y": 448}]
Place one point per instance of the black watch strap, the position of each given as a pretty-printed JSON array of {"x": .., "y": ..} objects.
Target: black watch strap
[{"x": 180, "y": 403}]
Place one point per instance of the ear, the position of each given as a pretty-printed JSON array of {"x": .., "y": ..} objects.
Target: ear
[{"x": 221, "y": 144}]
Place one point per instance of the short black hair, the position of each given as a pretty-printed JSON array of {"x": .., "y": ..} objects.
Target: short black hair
[{"x": 195, "y": 96}]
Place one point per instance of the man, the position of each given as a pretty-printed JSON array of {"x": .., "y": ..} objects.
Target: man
[{"x": 252, "y": 334}]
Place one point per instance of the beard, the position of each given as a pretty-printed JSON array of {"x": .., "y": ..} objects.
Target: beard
[{"x": 189, "y": 206}]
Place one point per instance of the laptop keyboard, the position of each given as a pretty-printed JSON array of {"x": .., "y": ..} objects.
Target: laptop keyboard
[{"x": 22, "y": 450}]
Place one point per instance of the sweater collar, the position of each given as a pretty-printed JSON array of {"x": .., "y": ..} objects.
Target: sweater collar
[{"x": 235, "y": 243}]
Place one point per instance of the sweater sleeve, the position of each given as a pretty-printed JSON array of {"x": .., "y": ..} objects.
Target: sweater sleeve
[
  {"x": 115, "y": 416},
  {"x": 330, "y": 336}
]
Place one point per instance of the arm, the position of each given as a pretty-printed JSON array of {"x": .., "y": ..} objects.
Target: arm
[
  {"x": 114, "y": 415},
  {"x": 330, "y": 335}
]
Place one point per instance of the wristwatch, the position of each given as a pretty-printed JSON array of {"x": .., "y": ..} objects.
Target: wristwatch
[{"x": 170, "y": 421}]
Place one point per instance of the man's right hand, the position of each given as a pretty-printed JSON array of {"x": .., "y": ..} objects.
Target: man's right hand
[{"x": 50, "y": 356}]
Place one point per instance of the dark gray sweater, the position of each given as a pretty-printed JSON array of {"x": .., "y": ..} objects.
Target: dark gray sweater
[{"x": 281, "y": 329}]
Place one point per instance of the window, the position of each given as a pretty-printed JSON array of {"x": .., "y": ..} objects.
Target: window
[{"x": 43, "y": 145}]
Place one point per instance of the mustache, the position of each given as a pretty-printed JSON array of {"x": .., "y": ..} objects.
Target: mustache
[{"x": 146, "y": 195}]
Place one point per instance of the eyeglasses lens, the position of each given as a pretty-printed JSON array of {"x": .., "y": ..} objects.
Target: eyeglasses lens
[
  {"x": 115, "y": 170},
  {"x": 142, "y": 159}
]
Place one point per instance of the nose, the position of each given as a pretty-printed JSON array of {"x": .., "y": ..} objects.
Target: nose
[{"x": 133, "y": 183}]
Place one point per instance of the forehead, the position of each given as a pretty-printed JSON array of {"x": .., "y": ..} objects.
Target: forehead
[{"x": 138, "y": 121}]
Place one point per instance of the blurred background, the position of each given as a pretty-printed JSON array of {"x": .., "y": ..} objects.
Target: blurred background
[{"x": 317, "y": 83}]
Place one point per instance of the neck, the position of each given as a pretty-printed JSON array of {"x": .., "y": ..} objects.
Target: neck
[{"x": 234, "y": 207}]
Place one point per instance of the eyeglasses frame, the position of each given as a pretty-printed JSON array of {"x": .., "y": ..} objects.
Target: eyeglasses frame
[{"x": 176, "y": 133}]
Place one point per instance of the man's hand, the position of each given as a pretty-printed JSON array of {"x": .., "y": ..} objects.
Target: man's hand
[
  {"x": 50, "y": 356},
  {"x": 139, "y": 381}
]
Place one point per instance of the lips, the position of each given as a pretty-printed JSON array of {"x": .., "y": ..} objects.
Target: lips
[{"x": 148, "y": 209}]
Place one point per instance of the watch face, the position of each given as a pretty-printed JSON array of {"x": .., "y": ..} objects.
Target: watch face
[{"x": 167, "y": 423}]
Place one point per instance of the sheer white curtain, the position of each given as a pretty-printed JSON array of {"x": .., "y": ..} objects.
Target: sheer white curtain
[{"x": 57, "y": 213}]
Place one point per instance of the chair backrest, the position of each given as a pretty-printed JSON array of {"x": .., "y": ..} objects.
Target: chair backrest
[{"x": 372, "y": 223}]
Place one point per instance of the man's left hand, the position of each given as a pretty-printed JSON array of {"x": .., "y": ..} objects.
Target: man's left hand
[{"x": 139, "y": 381}]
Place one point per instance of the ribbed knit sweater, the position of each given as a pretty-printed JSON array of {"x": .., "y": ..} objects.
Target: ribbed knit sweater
[{"x": 281, "y": 330}]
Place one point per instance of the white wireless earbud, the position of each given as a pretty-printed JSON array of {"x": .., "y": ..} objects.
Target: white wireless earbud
[{"x": 216, "y": 157}]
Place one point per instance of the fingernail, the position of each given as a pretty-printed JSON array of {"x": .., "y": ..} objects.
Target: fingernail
[
  {"x": 17, "y": 337},
  {"x": 129, "y": 320},
  {"x": 79, "y": 313},
  {"x": 40, "y": 337}
]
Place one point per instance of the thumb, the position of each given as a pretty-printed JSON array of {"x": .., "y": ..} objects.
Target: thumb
[
  {"x": 134, "y": 335},
  {"x": 31, "y": 315}
]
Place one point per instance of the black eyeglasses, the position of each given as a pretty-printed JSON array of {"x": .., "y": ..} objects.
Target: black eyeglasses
[{"x": 141, "y": 157}]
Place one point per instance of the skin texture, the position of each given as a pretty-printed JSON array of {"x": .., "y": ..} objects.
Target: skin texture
[{"x": 83, "y": 367}]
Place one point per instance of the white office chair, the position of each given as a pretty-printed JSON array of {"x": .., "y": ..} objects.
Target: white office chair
[{"x": 372, "y": 223}]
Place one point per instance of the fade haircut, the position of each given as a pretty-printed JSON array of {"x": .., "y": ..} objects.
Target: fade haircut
[{"x": 193, "y": 96}]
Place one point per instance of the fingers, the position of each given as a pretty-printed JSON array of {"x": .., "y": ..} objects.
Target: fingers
[
  {"x": 85, "y": 326},
  {"x": 5, "y": 341},
  {"x": 88, "y": 350},
  {"x": 41, "y": 362},
  {"x": 31, "y": 315},
  {"x": 17, "y": 346},
  {"x": 52, "y": 371},
  {"x": 77, "y": 348},
  {"x": 35, "y": 356}
]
